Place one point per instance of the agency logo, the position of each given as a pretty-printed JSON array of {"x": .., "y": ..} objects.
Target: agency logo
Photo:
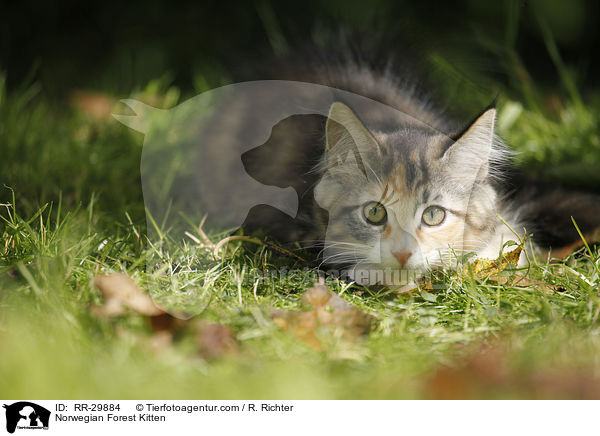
[{"x": 26, "y": 415}]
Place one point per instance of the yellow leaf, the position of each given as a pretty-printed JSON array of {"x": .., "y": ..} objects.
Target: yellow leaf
[{"x": 482, "y": 268}]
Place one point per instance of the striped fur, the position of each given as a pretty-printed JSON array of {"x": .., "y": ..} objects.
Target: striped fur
[
  {"x": 408, "y": 157},
  {"x": 407, "y": 169}
]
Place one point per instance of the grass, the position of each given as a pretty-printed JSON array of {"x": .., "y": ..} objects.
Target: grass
[
  {"x": 49, "y": 333},
  {"x": 65, "y": 218}
]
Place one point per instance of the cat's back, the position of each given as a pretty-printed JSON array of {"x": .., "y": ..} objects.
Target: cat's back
[{"x": 397, "y": 82}]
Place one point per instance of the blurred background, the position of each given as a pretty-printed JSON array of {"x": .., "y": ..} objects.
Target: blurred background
[
  {"x": 115, "y": 47},
  {"x": 68, "y": 60}
]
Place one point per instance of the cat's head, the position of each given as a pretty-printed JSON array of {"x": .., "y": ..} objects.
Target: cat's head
[{"x": 406, "y": 198}]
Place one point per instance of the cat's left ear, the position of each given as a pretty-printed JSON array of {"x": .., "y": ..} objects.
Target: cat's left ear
[{"x": 470, "y": 153}]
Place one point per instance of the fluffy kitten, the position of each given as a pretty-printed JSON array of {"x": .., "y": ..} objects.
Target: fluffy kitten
[
  {"x": 394, "y": 193},
  {"x": 418, "y": 200}
]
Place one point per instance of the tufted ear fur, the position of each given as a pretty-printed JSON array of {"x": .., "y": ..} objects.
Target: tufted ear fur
[
  {"x": 346, "y": 137},
  {"x": 348, "y": 145},
  {"x": 470, "y": 154}
]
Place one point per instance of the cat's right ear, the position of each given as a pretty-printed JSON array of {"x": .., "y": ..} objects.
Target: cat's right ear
[{"x": 346, "y": 137}]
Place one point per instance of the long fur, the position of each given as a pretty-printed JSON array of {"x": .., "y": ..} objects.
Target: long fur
[{"x": 409, "y": 160}]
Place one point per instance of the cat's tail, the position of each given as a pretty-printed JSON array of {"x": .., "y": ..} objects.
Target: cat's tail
[{"x": 549, "y": 213}]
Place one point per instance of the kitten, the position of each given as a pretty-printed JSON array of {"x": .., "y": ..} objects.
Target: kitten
[
  {"x": 419, "y": 199},
  {"x": 384, "y": 192}
]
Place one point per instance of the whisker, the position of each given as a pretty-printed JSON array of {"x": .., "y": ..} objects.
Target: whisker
[{"x": 343, "y": 257}]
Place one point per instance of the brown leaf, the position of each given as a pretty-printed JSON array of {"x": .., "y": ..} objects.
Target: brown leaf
[
  {"x": 120, "y": 294},
  {"x": 13, "y": 273},
  {"x": 165, "y": 322},
  {"x": 522, "y": 281},
  {"x": 485, "y": 367},
  {"x": 302, "y": 324},
  {"x": 214, "y": 340},
  {"x": 487, "y": 372},
  {"x": 96, "y": 105},
  {"x": 330, "y": 316}
]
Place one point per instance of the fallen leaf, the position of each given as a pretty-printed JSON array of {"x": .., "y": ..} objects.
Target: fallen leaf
[
  {"x": 121, "y": 294},
  {"x": 214, "y": 340},
  {"x": 13, "y": 273},
  {"x": 428, "y": 283},
  {"x": 492, "y": 270},
  {"x": 482, "y": 268},
  {"x": 95, "y": 105},
  {"x": 331, "y": 316},
  {"x": 302, "y": 324},
  {"x": 165, "y": 322},
  {"x": 487, "y": 372},
  {"x": 488, "y": 269},
  {"x": 522, "y": 281},
  {"x": 484, "y": 367}
]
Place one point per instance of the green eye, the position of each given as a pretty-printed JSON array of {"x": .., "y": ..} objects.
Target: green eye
[
  {"x": 375, "y": 213},
  {"x": 434, "y": 216}
]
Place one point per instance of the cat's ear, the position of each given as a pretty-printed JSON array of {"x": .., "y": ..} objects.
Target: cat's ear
[
  {"x": 346, "y": 136},
  {"x": 471, "y": 151}
]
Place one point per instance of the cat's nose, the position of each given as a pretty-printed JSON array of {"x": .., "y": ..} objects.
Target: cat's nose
[{"x": 402, "y": 257}]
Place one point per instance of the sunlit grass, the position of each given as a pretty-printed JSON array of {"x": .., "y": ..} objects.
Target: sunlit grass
[
  {"x": 49, "y": 333},
  {"x": 66, "y": 217}
]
